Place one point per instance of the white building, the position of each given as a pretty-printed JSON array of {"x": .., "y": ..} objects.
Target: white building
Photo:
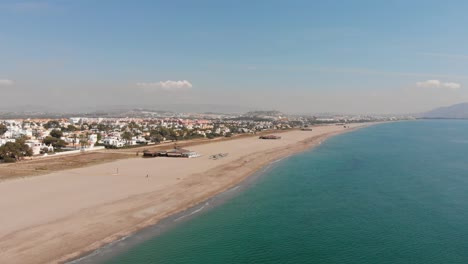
[
  {"x": 92, "y": 138},
  {"x": 3, "y": 141},
  {"x": 37, "y": 146},
  {"x": 75, "y": 120},
  {"x": 113, "y": 141}
]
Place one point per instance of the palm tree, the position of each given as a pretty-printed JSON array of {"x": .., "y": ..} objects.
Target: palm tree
[
  {"x": 127, "y": 136},
  {"x": 74, "y": 139},
  {"x": 83, "y": 141}
]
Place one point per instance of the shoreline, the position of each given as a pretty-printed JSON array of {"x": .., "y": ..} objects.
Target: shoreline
[
  {"x": 123, "y": 216},
  {"x": 154, "y": 223},
  {"x": 107, "y": 252}
]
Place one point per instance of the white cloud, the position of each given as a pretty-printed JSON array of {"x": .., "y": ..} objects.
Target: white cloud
[
  {"x": 6, "y": 82},
  {"x": 429, "y": 84},
  {"x": 167, "y": 85},
  {"x": 438, "y": 84},
  {"x": 452, "y": 85}
]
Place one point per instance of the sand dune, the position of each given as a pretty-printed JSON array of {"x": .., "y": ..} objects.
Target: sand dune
[{"x": 55, "y": 217}]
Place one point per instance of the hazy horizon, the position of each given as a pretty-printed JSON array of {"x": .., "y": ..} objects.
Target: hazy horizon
[
  {"x": 182, "y": 108},
  {"x": 356, "y": 57}
]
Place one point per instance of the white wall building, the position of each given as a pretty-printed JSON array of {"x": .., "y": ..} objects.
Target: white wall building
[
  {"x": 113, "y": 141},
  {"x": 37, "y": 146},
  {"x": 3, "y": 141}
]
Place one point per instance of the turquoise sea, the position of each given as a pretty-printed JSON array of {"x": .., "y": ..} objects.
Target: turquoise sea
[{"x": 390, "y": 193}]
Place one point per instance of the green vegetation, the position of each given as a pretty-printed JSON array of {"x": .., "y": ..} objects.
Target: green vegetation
[
  {"x": 127, "y": 136},
  {"x": 83, "y": 141},
  {"x": 69, "y": 128},
  {"x": 3, "y": 129},
  {"x": 52, "y": 124},
  {"x": 54, "y": 140},
  {"x": 74, "y": 136},
  {"x": 103, "y": 127},
  {"x": 57, "y": 143},
  {"x": 56, "y": 133},
  {"x": 163, "y": 133},
  {"x": 14, "y": 151}
]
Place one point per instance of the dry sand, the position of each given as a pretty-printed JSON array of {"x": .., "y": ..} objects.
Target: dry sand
[
  {"x": 45, "y": 165},
  {"x": 58, "y": 216}
]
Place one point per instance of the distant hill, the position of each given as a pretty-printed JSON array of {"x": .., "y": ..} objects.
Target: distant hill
[
  {"x": 458, "y": 111},
  {"x": 44, "y": 111},
  {"x": 266, "y": 115}
]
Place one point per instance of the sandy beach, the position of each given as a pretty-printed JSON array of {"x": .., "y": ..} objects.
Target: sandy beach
[{"x": 59, "y": 216}]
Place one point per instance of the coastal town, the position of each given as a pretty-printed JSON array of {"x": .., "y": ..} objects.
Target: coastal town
[
  {"x": 233, "y": 132},
  {"x": 24, "y": 137}
]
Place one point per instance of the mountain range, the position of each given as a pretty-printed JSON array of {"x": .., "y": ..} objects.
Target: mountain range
[{"x": 457, "y": 111}]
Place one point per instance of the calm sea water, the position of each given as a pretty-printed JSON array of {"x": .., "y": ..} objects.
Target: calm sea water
[{"x": 392, "y": 193}]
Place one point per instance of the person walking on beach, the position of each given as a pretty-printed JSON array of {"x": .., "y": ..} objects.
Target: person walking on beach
[{"x": 147, "y": 176}]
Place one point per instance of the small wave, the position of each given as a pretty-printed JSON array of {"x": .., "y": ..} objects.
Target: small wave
[
  {"x": 283, "y": 158},
  {"x": 267, "y": 167},
  {"x": 99, "y": 250},
  {"x": 235, "y": 188},
  {"x": 277, "y": 160},
  {"x": 179, "y": 218},
  {"x": 230, "y": 190},
  {"x": 192, "y": 213}
]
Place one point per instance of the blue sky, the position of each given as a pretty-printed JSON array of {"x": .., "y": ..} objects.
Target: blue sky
[{"x": 294, "y": 56}]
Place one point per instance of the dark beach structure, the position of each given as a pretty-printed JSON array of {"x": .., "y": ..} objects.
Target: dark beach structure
[
  {"x": 177, "y": 152},
  {"x": 269, "y": 137},
  {"x": 152, "y": 154},
  {"x": 173, "y": 153}
]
